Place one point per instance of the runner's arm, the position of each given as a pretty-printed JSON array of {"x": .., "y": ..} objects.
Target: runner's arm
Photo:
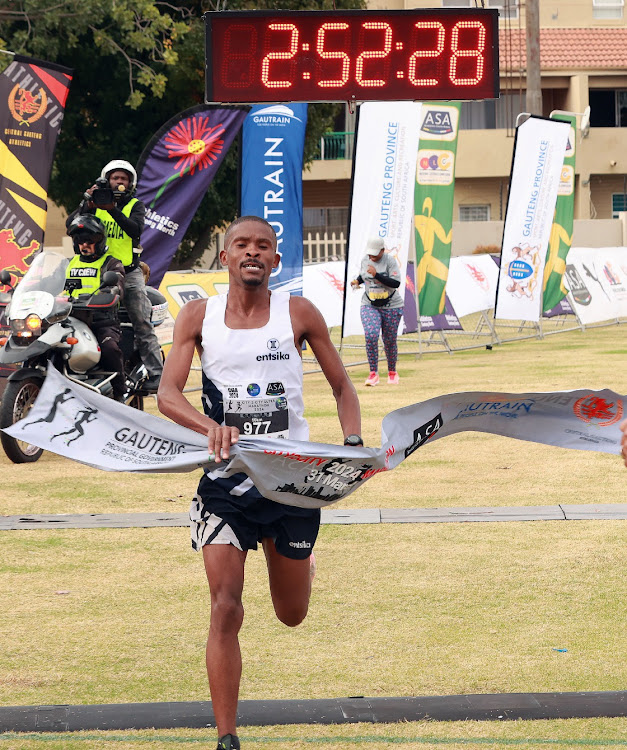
[
  {"x": 309, "y": 325},
  {"x": 170, "y": 398}
]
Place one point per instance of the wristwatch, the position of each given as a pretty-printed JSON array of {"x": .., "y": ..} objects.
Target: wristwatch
[{"x": 353, "y": 440}]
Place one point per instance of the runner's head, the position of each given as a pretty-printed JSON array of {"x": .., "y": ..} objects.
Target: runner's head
[
  {"x": 375, "y": 248},
  {"x": 250, "y": 252}
]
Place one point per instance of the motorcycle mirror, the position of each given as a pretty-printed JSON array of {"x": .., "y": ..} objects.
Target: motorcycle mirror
[{"x": 109, "y": 278}]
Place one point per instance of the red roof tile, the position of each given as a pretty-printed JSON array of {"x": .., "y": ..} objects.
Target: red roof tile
[{"x": 567, "y": 49}]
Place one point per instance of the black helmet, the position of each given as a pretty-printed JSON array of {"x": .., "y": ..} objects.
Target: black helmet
[{"x": 88, "y": 228}]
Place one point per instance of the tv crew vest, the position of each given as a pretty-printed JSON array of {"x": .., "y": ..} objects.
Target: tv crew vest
[
  {"x": 120, "y": 244},
  {"x": 88, "y": 273}
]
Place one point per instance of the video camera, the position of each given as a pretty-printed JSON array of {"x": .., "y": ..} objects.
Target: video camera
[{"x": 103, "y": 195}]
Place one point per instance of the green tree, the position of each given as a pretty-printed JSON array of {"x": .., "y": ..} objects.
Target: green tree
[{"x": 136, "y": 64}]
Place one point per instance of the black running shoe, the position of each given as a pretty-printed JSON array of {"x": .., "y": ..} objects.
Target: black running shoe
[{"x": 228, "y": 742}]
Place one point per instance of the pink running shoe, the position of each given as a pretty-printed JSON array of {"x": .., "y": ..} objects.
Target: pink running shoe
[
  {"x": 393, "y": 378},
  {"x": 372, "y": 379}
]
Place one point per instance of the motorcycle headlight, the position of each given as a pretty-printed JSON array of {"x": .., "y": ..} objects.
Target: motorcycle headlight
[{"x": 26, "y": 327}]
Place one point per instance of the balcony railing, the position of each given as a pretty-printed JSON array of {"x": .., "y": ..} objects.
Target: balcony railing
[{"x": 336, "y": 146}]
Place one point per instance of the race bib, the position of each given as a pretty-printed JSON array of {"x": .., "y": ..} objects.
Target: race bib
[{"x": 257, "y": 416}]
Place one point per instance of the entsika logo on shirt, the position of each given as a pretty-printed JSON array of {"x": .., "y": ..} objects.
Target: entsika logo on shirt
[{"x": 272, "y": 356}]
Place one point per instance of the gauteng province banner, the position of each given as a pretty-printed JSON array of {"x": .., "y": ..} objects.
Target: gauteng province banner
[
  {"x": 382, "y": 192},
  {"x": 175, "y": 170},
  {"x": 272, "y": 183},
  {"x": 433, "y": 202},
  {"x": 562, "y": 230},
  {"x": 80, "y": 424},
  {"x": 32, "y": 102},
  {"x": 539, "y": 150}
]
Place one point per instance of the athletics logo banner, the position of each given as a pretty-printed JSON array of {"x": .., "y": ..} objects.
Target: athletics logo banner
[
  {"x": 433, "y": 202},
  {"x": 272, "y": 183},
  {"x": 383, "y": 190},
  {"x": 32, "y": 102},
  {"x": 175, "y": 171},
  {"x": 80, "y": 424},
  {"x": 537, "y": 164}
]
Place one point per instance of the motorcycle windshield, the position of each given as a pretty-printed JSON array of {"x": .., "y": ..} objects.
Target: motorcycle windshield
[{"x": 41, "y": 287}]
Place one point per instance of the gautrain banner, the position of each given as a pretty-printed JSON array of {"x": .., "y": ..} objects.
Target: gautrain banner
[
  {"x": 433, "y": 202},
  {"x": 32, "y": 103},
  {"x": 175, "y": 171},
  {"x": 272, "y": 183},
  {"x": 537, "y": 163},
  {"x": 80, "y": 424},
  {"x": 382, "y": 192},
  {"x": 561, "y": 236}
]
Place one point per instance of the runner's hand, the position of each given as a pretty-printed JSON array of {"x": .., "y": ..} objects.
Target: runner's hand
[{"x": 219, "y": 441}]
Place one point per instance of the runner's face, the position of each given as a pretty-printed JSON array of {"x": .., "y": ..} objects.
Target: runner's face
[
  {"x": 377, "y": 256},
  {"x": 250, "y": 254}
]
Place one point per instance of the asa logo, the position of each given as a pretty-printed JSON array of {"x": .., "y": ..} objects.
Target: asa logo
[
  {"x": 422, "y": 434},
  {"x": 275, "y": 389},
  {"x": 437, "y": 122}
]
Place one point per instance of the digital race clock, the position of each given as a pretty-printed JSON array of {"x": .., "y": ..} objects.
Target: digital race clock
[{"x": 353, "y": 55}]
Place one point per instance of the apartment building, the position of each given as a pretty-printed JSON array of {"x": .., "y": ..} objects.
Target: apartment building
[{"x": 583, "y": 59}]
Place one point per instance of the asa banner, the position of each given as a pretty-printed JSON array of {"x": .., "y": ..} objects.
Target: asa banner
[
  {"x": 539, "y": 150},
  {"x": 382, "y": 192},
  {"x": 32, "y": 102},
  {"x": 175, "y": 171},
  {"x": 561, "y": 235},
  {"x": 80, "y": 424},
  {"x": 433, "y": 202},
  {"x": 272, "y": 183}
]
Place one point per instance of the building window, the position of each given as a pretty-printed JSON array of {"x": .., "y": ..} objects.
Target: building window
[
  {"x": 608, "y": 108},
  {"x": 492, "y": 113},
  {"x": 325, "y": 220},
  {"x": 474, "y": 213},
  {"x": 607, "y": 9},
  {"x": 619, "y": 203},
  {"x": 506, "y": 8}
]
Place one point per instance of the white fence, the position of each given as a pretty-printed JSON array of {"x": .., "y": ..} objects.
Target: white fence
[{"x": 322, "y": 248}]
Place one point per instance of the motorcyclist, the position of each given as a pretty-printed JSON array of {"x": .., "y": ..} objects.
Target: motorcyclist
[
  {"x": 91, "y": 261},
  {"x": 111, "y": 200}
]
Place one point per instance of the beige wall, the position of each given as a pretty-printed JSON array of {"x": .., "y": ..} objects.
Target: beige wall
[{"x": 553, "y": 13}]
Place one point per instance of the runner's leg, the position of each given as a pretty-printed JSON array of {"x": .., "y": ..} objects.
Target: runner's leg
[{"x": 224, "y": 565}]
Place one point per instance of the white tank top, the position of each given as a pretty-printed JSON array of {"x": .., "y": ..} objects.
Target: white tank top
[{"x": 253, "y": 377}]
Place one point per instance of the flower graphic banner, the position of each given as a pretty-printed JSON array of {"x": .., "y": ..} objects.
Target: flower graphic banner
[
  {"x": 32, "y": 103},
  {"x": 175, "y": 170}
]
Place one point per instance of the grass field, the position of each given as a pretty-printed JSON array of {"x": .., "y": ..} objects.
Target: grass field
[{"x": 120, "y": 615}]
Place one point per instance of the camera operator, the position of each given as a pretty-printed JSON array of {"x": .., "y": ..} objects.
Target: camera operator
[
  {"x": 111, "y": 200},
  {"x": 91, "y": 261}
]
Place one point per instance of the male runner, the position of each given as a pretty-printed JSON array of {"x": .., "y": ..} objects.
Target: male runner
[{"x": 249, "y": 342}]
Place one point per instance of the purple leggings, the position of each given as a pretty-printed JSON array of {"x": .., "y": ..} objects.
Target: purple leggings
[{"x": 386, "y": 321}]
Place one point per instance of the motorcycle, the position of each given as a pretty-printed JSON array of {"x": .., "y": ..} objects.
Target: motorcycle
[{"x": 48, "y": 325}]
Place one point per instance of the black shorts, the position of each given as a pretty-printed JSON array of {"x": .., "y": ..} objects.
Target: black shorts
[{"x": 245, "y": 521}]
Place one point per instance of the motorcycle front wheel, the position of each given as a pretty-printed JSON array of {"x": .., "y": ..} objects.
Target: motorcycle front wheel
[{"x": 17, "y": 399}]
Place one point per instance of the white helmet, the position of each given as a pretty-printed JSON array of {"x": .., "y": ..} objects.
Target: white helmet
[{"x": 120, "y": 164}]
